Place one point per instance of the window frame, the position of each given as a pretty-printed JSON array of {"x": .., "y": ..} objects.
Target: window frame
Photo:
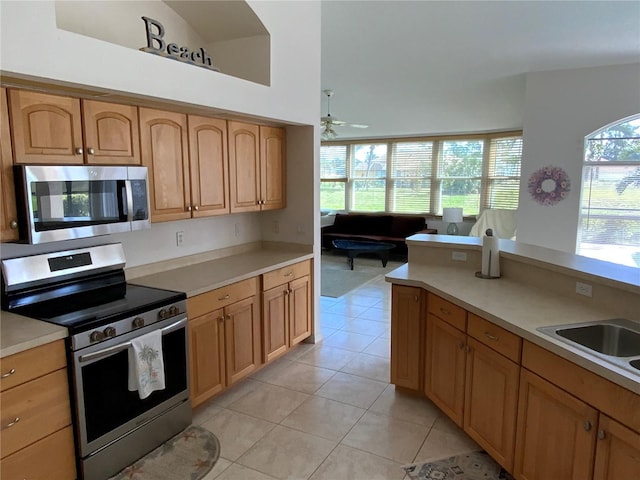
[{"x": 435, "y": 201}]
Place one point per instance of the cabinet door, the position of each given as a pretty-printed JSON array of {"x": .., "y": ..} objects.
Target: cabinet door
[
  {"x": 275, "y": 330},
  {"x": 445, "y": 367},
  {"x": 45, "y": 128},
  {"x": 617, "y": 451},
  {"x": 111, "y": 133},
  {"x": 209, "y": 166},
  {"x": 242, "y": 339},
  {"x": 244, "y": 167},
  {"x": 206, "y": 355},
  {"x": 406, "y": 319},
  {"x": 9, "y": 218},
  {"x": 299, "y": 309},
  {"x": 272, "y": 168},
  {"x": 164, "y": 150},
  {"x": 556, "y": 432},
  {"x": 491, "y": 401}
]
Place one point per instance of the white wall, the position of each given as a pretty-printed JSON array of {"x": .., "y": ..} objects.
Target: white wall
[
  {"x": 33, "y": 47},
  {"x": 561, "y": 109}
]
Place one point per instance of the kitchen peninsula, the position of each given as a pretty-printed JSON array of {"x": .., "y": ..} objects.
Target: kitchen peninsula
[{"x": 473, "y": 347}]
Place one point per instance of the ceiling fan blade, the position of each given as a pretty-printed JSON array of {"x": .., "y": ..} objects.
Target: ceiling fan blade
[{"x": 356, "y": 125}]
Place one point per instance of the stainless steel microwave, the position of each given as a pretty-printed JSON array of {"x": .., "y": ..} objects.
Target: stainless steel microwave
[{"x": 66, "y": 202}]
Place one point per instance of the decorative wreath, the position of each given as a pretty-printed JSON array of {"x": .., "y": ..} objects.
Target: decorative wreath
[{"x": 549, "y": 185}]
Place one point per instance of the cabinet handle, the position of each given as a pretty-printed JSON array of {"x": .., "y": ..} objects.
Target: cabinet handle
[
  {"x": 221, "y": 319},
  {"x": 491, "y": 337},
  {"x": 286, "y": 292},
  {"x": 290, "y": 291},
  {"x": 78, "y": 151},
  {"x": 288, "y": 274},
  {"x": 444, "y": 311},
  {"x": 196, "y": 208},
  {"x": 225, "y": 297},
  {"x": 188, "y": 208},
  {"x": 11, "y": 424},
  {"x": 461, "y": 345},
  {"x": 9, "y": 373},
  {"x": 91, "y": 151},
  {"x": 415, "y": 298},
  {"x": 13, "y": 224},
  {"x": 228, "y": 316},
  {"x": 467, "y": 349},
  {"x": 601, "y": 435},
  {"x": 587, "y": 425}
]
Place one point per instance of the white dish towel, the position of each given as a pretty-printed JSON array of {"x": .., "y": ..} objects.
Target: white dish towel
[{"x": 146, "y": 366}]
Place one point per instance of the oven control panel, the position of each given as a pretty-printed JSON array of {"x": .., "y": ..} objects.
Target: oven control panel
[{"x": 121, "y": 327}]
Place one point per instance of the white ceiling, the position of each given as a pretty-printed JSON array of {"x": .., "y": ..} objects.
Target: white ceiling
[{"x": 426, "y": 67}]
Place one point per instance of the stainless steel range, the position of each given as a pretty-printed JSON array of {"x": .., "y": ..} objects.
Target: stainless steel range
[{"x": 85, "y": 290}]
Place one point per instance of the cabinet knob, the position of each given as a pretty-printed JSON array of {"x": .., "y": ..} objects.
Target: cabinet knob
[
  {"x": 587, "y": 426},
  {"x": 601, "y": 435},
  {"x": 221, "y": 319},
  {"x": 226, "y": 297},
  {"x": 13, "y": 224},
  {"x": 91, "y": 151},
  {"x": 415, "y": 298},
  {"x": 79, "y": 151},
  {"x": 490, "y": 337},
  {"x": 188, "y": 208},
  {"x": 196, "y": 208},
  {"x": 461, "y": 345},
  {"x": 12, "y": 423},
  {"x": 444, "y": 311},
  {"x": 228, "y": 316},
  {"x": 9, "y": 373}
]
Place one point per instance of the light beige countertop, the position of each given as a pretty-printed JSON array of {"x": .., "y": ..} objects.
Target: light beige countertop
[
  {"x": 18, "y": 333},
  {"x": 519, "y": 308},
  {"x": 205, "y": 276}
]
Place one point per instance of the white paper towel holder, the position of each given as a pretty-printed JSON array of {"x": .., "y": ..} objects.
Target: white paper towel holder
[{"x": 480, "y": 274}]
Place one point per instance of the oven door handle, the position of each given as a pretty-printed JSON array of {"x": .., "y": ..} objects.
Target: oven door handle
[{"x": 123, "y": 346}]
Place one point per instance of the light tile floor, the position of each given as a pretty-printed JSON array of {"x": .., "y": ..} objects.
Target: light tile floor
[{"x": 327, "y": 411}]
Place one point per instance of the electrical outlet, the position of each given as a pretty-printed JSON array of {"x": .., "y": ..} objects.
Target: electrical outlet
[
  {"x": 179, "y": 238},
  {"x": 459, "y": 256},
  {"x": 583, "y": 289}
]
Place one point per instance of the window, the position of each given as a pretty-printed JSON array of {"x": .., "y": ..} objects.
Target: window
[
  {"x": 609, "y": 226},
  {"x": 422, "y": 175}
]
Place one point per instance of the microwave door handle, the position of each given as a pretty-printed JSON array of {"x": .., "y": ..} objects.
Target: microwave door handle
[
  {"x": 129, "y": 193},
  {"x": 122, "y": 346}
]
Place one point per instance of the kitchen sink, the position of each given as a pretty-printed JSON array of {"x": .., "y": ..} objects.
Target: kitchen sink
[
  {"x": 605, "y": 338},
  {"x": 616, "y": 340}
]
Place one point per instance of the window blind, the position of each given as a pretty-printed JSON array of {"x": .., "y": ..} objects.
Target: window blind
[
  {"x": 503, "y": 179},
  {"x": 410, "y": 177}
]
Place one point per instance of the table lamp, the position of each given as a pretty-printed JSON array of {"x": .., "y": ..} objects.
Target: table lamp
[{"x": 452, "y": 216}]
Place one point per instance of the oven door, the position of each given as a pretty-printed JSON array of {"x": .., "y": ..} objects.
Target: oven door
[{"x": 106, "y": 409}]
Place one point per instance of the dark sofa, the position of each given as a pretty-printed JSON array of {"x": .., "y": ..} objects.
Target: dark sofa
[{"x": 382, "y": 227}]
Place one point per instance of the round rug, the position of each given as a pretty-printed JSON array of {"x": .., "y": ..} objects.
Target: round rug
[{"x": 190, "y": 454}]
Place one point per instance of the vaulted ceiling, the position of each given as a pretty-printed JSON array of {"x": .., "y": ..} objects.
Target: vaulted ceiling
[{"x": 426, "y": 67}]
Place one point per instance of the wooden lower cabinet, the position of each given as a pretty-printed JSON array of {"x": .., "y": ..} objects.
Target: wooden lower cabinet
[
  {"x": 445, "y": 367},
  {"x": 617, "y": 451},
  {"x": 286, "y": 309},
  {"x": 556, "y": 433},
  {"x": 491, "y": 401},
  {"x": 407, "y": 309},
  {"x": 225, "y": 344},
  {"x": 206, "y": 345},
  {"x": 52, "y": 457}
]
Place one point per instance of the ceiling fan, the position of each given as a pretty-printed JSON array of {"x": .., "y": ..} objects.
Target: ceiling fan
[{"x": 328, "y": 122}]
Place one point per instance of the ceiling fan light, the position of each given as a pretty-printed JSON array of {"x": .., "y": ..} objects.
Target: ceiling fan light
[{"x": 328, "y": 133}]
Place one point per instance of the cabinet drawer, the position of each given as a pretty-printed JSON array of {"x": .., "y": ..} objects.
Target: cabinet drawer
[
  {"x": 51, "y": 457},
  {"x": 447, "y": 311},
  {"x": 38, "y": 408},
  {"x": 285, "y": 274},
  {"x": 33, "y": 363},
  {"x": 221, "y": 297},
  {"x": 495, "y": 337}
]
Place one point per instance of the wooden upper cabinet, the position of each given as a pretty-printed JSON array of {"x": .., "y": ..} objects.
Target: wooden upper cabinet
[
  {"x": 244, "y": 166},
  {"x": 111, "y": 133},
  {"x": 272, "y": 168},
  {"x": 164, "y": 151},
  {"x": 209, "y": 166},
  {"x": 46, "y": 129},
  {"x": 9, "y": 217}
]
